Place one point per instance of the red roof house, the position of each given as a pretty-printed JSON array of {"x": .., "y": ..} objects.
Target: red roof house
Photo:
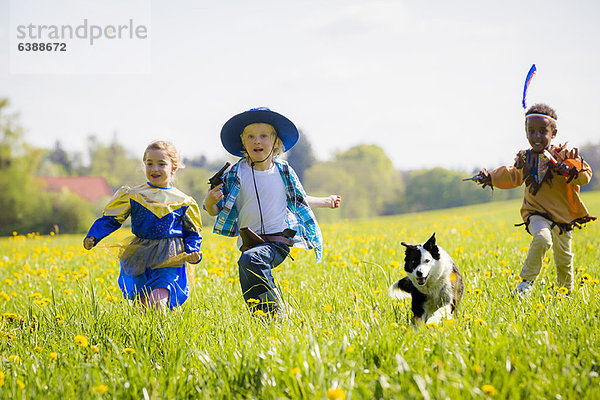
[{"x": 90, "y": 188}]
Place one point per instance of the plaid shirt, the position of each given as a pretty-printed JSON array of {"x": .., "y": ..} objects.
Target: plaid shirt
[{"x": 299, "y": 216}]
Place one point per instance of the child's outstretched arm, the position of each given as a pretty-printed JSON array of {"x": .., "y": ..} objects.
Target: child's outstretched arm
[
  {"x": 332, "y": 201},
  {"x": 114, "y": 214}
]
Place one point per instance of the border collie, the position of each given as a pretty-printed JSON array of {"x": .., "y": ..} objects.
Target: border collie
[{"x": 433, "y": 281}]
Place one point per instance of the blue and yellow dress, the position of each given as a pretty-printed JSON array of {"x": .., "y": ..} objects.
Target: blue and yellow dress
[{"x": 166, "y": 224}]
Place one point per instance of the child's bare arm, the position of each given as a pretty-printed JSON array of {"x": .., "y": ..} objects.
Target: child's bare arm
[
  {"x": 332, "y": 201},
  {"x": 212, "y": 198}
]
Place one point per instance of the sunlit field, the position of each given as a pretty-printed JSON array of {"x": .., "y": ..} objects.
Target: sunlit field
[{"x": 66, "y": 331}]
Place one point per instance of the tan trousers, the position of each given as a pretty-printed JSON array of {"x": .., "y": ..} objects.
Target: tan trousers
[{"x": 543, "y": 238}]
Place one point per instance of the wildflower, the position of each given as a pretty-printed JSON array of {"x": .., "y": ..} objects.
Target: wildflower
[
  {"x": 586, "y": 278},
  {"x": 489, "y": 390},
  {"x": 487, "y": 274},
  {"x": 1, "y": 378},
  {"x": 394, "y": 264},
  {"x": 295, "y": 371},
  {"x": 128, "y": 350},
  {"x": 14, "y": 359},
  {"x": 476, "y": 291},
  {"x": 101, "y": 388},
  {"x": 336, "y": 394},
  {"x": 4, "y": 296},
  {"x": 95, "y": 348},
  {"x": 53, "y": 355},
  {"x": 81, "y": 340},
  {"x": 253, "y": 301},
  {"x": 350, "y": 349},
  {"x": 540, "y": 307},
  {"x": 260, "y": 313},
  {"x": 563, "y": 290},
  {"x": 432, "y": 325},
  {"x": 37, "y": 349},
  {"x": 477, "y": 368},
  {"x": 479, "y": 321},
  {"x": 328, "y": 308},
  {"x": 36, "y": 295},
  {"x": 595, "y": 281},
  {"x": 20, "y": 384}
]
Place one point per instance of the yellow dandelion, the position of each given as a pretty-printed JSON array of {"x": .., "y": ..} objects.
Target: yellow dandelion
[
  {"x": 563, "y": 290},
  {"x": 586, "y": 277},
  {"x": 20, "y": 384},
  {"x": 489, "y": 390},
  {"x": 477, "y": 368},
  {"x": 295, "y": 371},
  {"x": 53, "y": 355},
  {"x": 36, "y": 295},
  {"x": 595, "y": 281},
  {"x": 328, "y": 308},
  {"x": 432, "y": 325},
  {"x": 260, "y": 313},
  {"x": 101, "y": 388},
  {"x": 479, "y": 321},
  {"x": 95, "y": 348},
  {"x": 128, "y": 350},
  {"x": 81, "y": 340},
  {"x": 476, "y": 291},
  {"x": 37, "y": 349},
  {"x": 14, "y": 359},
  {"x": 253, "y": 301},
  {"x": 394, "y": 264},
  {"x": 350, "y": 349},
  {"x": 1, "y": 378},
  {"x": 336, "y": 394},
  {"x": 540, "y": 307}
]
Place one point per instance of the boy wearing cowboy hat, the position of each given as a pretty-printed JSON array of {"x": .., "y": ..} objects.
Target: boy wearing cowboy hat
[{"x": 264, "y": 194}]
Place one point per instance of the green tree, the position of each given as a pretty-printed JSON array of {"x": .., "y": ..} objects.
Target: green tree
[
  {"x": 301, "y": 156},
  {"x": 365, "y": 178},
  {"x": 114, "y": 163}
]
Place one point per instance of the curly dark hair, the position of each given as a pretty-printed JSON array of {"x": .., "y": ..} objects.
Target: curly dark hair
[{"x": 542, "y": 109}]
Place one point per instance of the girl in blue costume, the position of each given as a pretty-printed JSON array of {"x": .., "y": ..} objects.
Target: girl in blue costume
[{"x": 166, "y": 224}]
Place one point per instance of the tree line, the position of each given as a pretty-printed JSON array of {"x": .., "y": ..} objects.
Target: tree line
[{"x": 363, "y": 175}]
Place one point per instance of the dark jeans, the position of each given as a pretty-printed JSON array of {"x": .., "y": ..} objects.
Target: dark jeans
[{"x": 256, "y": 279}]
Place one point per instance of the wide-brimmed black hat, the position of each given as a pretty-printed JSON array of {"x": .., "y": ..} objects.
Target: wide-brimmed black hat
[{"x": 232, "y": 130}]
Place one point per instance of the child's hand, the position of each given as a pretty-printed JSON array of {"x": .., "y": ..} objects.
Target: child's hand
[
  {"x": 484, "y": 178},
  {"x": 194, "y": 257},
  {"x": 213, "y": 196},
  {"x": 89, "y": 242},
  {"x": 335, "y": 200}
]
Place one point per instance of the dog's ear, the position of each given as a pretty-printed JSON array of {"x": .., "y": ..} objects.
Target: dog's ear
[{"x": 431, "y": 247}]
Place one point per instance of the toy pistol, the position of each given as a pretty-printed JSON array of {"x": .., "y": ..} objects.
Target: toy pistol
[
  {"x": 217, "y": 178},
  {"x": 474, "y": 178}
]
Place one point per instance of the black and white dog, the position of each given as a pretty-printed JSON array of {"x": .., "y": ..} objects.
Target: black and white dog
[{"x": 433, "y": 281}]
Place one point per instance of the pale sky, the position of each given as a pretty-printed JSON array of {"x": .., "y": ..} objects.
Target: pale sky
[{"x": 435, "y": 83}]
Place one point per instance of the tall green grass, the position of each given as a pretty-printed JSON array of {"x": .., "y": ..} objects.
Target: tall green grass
[{"x": 343, "y": 338}]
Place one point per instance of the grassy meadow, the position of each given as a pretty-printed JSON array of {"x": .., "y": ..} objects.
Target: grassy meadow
[{"x": 66, "y": 332}]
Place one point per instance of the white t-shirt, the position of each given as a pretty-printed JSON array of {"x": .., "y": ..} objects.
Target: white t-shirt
[{"x": 271, "y": 192}]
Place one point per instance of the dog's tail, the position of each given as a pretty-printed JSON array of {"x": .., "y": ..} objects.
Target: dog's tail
[{"x": 396, "y": 292}]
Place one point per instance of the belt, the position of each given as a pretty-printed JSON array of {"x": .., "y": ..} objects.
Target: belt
[{"x": 277, "y": 238}]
